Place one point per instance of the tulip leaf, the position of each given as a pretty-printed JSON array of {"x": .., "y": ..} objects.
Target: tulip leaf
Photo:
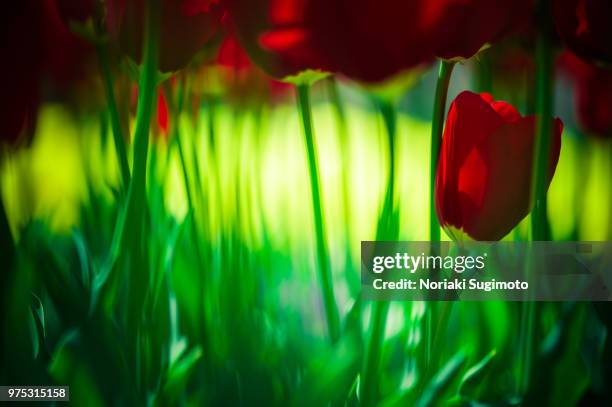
[
  {"x": 331, "y": 376},
  {"x": 442, "y": 381},
  {"x": 474, "y": 376},
  {"x": 168, "y": 257},
  {"x": 352, "y": 321},
  {"x": 178, "y": 376},
  {"x": 82, "y": 252},
  {"x": 38, "y": 330},
  {"x": 101, "y": 278}
]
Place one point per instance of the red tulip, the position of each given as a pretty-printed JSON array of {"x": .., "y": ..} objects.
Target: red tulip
[
  {"x": 483, "y": 181},
  {"x": 368, "y": 40},
  {"x": 186, "y": 27},
  {"x": 39, "y": 51},
  {"x": 244, "y": 82},
  {"x": 275, "y": 35},
  {"x": 231, "y": 55},
  {"x": 584, "y": 26},
  {"x": 371, "y": 40},
  {"x": 463, "y": 27},
  {"x": 21, "y": 26},
  {"x": 162, "y": 113},
  {"x": 593, "y": 87},
  {"x": 75, "y": 10},
  {"x": 41, "y": 55},
  {"x": 363, "y": 39},
  {"x": 66, "y": 55}
]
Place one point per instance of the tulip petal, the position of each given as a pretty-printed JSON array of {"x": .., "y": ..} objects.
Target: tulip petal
[{"x": 483, "y": 183}]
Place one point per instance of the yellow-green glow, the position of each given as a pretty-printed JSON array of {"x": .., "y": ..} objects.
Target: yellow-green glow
[
  {"x": 256, "y": 175},
  {"x": 47, "y": 180}
]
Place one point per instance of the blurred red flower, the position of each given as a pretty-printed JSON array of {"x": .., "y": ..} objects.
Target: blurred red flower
[
  {"x": 194, "y": 7},
  {"x": 75, "y": 10},
  {"x": 22, "y": 46},
  {"x": 162, "y": 113},
  {"x": 362, "y": 39},
  {"x": 584, "y": 26},
  {"x": 244, "y": 82},
  {"x": 66, "y": 55},
  {"x": 483, "y": 181},
  {"x": 593, "y": 87},
  {"x": 41, "y": 55},
  {"x": 275, "y": 36},
  {"x": 187, "y": 27},
  {"x": 368, "y": 40},
  {"x": 463, "y": 27},
  {"x": 231, "y": 55}
]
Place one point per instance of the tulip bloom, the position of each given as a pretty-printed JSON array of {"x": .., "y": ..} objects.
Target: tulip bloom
[
  {"x": 41, "y": 54},
  {"x": 22, "y": 45},
  {"x": 75, "y": 10},
  {"x": 593, "y": 90},
  {"x": 276, "y": 37},
  {"x": 186, "y": 27},
  {"x": 464, "y": 27},
  {"x": 368, "y": 40},
  {"x": 66, "y": 55},
  {"x": 244, "y": 82},
  {"x": 584, "y": 26},
  {"x": 483, "y": 180},
  {"x": 364, "y": 40},
  {"x": 162, "y": 113}
]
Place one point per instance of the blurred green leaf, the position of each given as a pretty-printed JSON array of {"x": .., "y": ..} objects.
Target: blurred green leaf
[
  {"x": 474, "y": 377},
  {"x": 101, "y": 279},
  {"x": 331, "y": 374},
  {"x": 178, "y": 376},
  {"x": 38, "y": 330},
  {"x": 68, "y": 367},
  {"x": 442, "y": 382},
  {"x": 84, "y": 258}
]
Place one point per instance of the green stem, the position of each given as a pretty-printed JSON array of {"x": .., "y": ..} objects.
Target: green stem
[
  {"x": 387, "y": 227},
  {"x": 581, "y": 169},
  {"x": 343, "y": 133},
  {"x": 194, "y": 150},
  {"x": 7, "y": 286},
  {"x": 544, "y": 123},
  {"x": 327, "y": 288},
  {"x": 134, "y": 239},
  {"x": 146, "y": 100},
  {"x": 118, "y": 136},
  {"x": 7, "y": 245},
  {"x": 176, "y": 107},
  {"x": 437, "y": 126},
  {"x": 195, "y": 159},
  {"x": 373, "y": 352},
  {"x": 146, "y": 97},
  {"x": 212, "y": 129},
  {"x": 434, "y": 315},
  {"x": 256, "y": 187},
  {"x": 388, "y": 230},
  {"x": 525, "y": 349},
  {"x": 485, "y": 78}
]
